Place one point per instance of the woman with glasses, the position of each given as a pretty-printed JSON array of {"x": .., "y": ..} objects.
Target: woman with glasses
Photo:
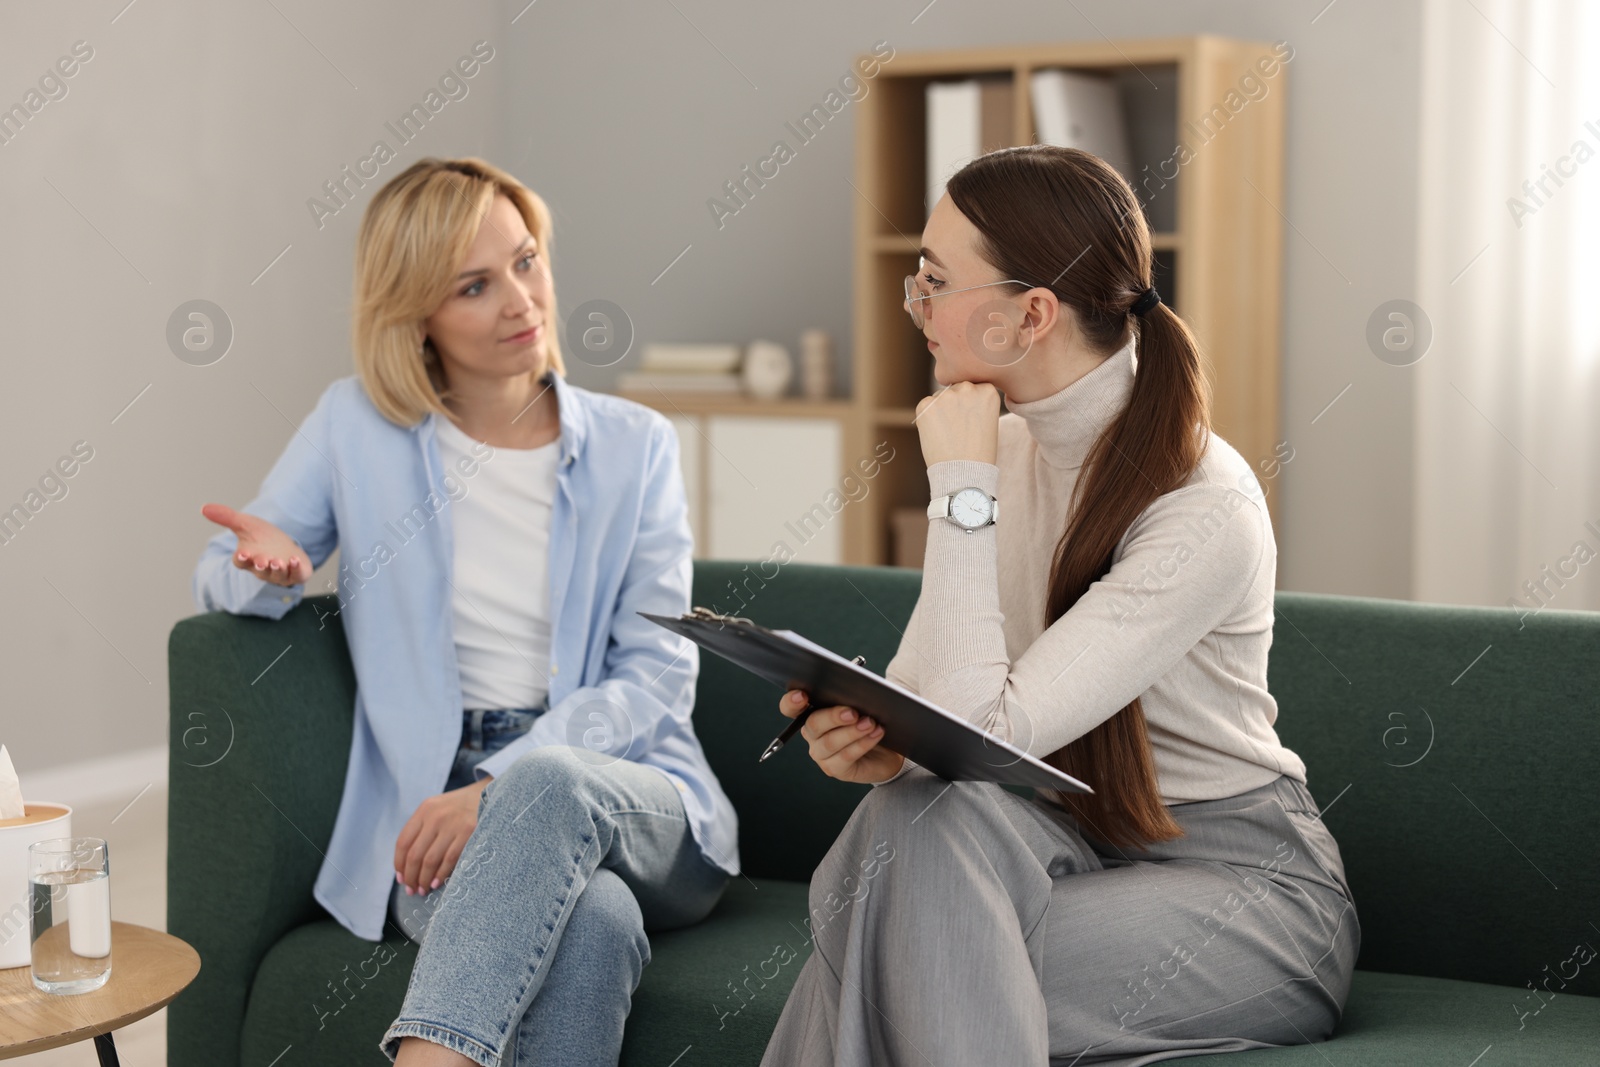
[
  {"x": 1113, "y": 621},
  {"x": 525, "y": 794}
]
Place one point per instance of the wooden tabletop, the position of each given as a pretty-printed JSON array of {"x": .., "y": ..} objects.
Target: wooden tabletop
[{"x": 148, "y": 969}]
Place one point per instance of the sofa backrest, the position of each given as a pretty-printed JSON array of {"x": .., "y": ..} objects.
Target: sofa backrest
[
  {"x": 789, "y": 811},
  {"x": 1452, "y": 750}
]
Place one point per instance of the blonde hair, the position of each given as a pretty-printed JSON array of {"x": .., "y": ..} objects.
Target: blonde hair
[{"x": 413, "y": 239}]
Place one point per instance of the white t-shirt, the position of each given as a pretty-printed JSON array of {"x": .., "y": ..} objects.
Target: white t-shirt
[{"x": 501, "y": 600}]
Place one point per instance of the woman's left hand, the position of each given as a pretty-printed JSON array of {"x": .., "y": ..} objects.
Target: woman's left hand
[
  {"x": 432, "y": 840},
  {"x": 961, "y": 421}
]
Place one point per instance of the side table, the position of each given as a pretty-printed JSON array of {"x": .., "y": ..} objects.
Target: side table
[{"x": 148, "y": 969}]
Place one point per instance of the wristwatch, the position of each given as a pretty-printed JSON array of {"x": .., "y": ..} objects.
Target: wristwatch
[{"x": 970, "y": 508}]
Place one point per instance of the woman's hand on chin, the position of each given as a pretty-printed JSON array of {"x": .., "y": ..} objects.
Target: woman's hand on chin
[
  {"x": 961, "y": 421},
  {"x": 433, "y": 838}
]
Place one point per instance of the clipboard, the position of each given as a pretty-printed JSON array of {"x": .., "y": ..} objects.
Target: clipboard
[{"x": 925, "y": 733}]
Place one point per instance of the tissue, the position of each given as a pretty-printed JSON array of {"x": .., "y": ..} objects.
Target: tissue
[{"x": 10, "y": 788}]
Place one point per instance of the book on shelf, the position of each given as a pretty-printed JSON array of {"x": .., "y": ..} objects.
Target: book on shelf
[
  {"x": 965, "y": 120},
  {"x": 1078, "y": 110},
  {"x": 691, "y": 358},
  {"x": 680, "y": 382}
]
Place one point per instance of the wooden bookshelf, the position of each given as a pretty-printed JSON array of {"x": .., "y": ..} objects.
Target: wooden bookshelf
[{"x": 1216, "y": 229}]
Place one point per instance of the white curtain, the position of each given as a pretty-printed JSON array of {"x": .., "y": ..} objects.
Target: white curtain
[{"x": 1507, "y": 447}]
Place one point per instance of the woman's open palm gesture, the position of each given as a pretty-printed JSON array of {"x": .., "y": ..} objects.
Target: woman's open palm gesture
[{"x": 264, "y": 550}]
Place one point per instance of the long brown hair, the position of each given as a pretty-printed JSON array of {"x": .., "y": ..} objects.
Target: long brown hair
[{"x": 1046, "y": 212}]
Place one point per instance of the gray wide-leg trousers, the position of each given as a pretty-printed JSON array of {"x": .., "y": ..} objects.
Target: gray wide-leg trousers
[{"x": 961, "y": 924}]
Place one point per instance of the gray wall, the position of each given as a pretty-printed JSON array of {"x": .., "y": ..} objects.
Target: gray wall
[
  {"x": 666, "y": 117},
  {"x": 179, "y": 163}
]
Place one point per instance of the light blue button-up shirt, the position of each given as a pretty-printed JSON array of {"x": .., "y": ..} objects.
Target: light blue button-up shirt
[{"x": 620, "y": 686}]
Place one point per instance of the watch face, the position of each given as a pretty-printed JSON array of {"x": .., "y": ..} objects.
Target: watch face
[{"x": 970, "y": 508}]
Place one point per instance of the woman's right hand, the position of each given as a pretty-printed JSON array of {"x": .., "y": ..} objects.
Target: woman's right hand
[
  {"x": 843, "y": 743},
  {"x": 264, "y": 550}
]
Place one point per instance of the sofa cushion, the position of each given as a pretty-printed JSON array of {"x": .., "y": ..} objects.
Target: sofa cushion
[
  {"x": 1452, "y": 752},
  {"x": 1403, "y": 1019},
  {"x": 327, "y": 994},
  {"x": 717, "y": 986},
  {"x": 712, "y": 994},
  {"x": 720, "y": 986}
]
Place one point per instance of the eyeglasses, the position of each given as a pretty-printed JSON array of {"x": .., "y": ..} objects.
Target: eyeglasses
[{"x": 915, "y": 293}]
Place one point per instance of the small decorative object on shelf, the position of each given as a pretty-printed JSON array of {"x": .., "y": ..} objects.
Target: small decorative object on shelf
[
  {"x": 768, "y": 370},
  {"x": 816, "y": 364}
]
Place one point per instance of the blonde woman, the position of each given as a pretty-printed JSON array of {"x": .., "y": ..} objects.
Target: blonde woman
[
  {"x": 525, "y": 795},
  {"x": 1111, "y": 615}
]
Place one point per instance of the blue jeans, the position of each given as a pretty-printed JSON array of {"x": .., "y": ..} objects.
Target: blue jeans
[{"x": 531, "y": 950}]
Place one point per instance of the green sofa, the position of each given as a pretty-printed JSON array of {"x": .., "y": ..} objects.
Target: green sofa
[{"x": 1452, "y": 750}]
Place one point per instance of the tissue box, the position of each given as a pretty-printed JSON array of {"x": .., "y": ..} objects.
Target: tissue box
[{"x": 39, "y": 822}]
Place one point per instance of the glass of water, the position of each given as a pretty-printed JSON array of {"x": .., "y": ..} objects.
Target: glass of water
[{"x": 69, "y": 882}]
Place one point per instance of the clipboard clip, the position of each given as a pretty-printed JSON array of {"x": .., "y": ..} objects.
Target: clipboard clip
[{"x": 707, "y": 615}]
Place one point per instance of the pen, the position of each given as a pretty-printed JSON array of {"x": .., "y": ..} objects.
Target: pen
[{"x": 799, "y": 721}]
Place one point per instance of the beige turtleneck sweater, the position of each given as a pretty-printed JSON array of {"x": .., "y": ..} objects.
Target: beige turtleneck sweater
[{"x": 1182, "y": 619}]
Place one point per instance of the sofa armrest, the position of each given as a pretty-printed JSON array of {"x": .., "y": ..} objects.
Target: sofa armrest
[{"x": 261, "y": 720}]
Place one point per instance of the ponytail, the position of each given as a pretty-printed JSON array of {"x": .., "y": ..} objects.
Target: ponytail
[
  {"x": 1036, "y": 207},
  {"x": 1149, "y": 449}
]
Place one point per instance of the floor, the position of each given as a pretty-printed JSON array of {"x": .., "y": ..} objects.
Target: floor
[{"x": 136, "y": 839}]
